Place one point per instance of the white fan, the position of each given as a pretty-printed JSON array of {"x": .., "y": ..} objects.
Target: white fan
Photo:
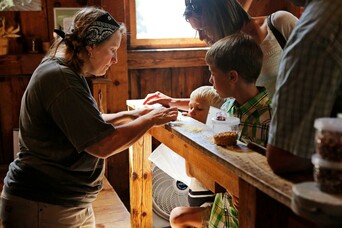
[{"x": 167, "y": 193}]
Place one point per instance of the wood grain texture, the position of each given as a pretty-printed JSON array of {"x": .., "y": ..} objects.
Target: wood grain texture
[
  {"x": 140, "y": 182},
  {"x": 165, "y": 58},
  {"x": 109, "y": 210},
  {"x": 12, "y": 89},
  {"x": 264, "y": 198}
]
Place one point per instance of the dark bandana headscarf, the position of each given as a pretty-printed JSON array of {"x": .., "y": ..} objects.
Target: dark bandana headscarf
[
  {"x": 101, "y": 29},
  {"x": 98, "y": 31}
]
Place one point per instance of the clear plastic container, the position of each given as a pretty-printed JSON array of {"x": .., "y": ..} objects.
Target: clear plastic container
[
  {"x": 225, "y": 124},
  {"x": 327, "y": 174},
  {"x": 328, "y": 138},
  {"x": 226, "y": 129}
]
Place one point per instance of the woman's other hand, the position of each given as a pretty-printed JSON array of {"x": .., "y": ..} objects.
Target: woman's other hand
[{"x": 157, "y": 97}]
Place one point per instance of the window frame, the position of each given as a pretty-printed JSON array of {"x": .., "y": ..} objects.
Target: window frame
[{"x": 134, "y": 43}]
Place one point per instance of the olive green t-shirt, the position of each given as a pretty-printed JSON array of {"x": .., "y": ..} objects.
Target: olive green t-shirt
[{"x": 58, "y": 119}]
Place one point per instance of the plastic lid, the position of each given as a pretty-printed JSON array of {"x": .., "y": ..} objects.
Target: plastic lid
[
  {"x": 317, "y": 160},
  {"x": 330, "y": 124},
  {"x": 230, "y": 121}
]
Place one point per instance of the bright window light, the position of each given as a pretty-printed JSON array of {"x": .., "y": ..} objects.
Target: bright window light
[{"x": 157, "y": 19}]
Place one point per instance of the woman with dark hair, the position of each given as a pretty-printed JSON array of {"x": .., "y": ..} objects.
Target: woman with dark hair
[{"x": 214, "y": 20}]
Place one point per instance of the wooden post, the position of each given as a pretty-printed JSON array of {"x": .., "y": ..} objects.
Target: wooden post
[{"x": 141, "y": 182}]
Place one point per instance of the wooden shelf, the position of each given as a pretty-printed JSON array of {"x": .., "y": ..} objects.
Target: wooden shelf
[{"x": 21, "y": 64}]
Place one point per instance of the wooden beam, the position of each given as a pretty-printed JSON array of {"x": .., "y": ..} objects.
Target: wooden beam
[{"x": 166, "y": 58}]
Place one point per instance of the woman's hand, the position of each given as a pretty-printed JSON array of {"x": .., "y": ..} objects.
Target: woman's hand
[
  {"x": 162, "y": 115},
  {"x": 140, "y": 112},
  {"x": 127, "y": 133},
  {"x": 158, "y": 97}
]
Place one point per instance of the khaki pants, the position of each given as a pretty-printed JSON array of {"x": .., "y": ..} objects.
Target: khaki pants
[{"x": 22, "y": 213}]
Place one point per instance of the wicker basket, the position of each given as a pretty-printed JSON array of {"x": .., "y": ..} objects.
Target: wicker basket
[{"x": 3, "y": 46}]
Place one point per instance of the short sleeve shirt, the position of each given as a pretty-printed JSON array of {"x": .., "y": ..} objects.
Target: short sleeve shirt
[
  {"x": 255, "y": 116},
  {"x": 58, "y": 119},
  {"x": 309, "y": 83}
]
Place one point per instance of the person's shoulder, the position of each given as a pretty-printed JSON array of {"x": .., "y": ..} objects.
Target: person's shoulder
[
  {"x": 50, "y": 64},
  {"x": 284, "y": 22},
  {"x": 283, "y": 17},
  {"x": 282, "y": 14},
  {"x": 53, "y": 69}
]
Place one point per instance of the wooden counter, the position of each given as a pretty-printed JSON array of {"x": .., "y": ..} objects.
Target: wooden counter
[{"x": 264, "y": 198}]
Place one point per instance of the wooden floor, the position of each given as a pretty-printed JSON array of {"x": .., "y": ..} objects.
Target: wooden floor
[{"x": 109, "y": 210}]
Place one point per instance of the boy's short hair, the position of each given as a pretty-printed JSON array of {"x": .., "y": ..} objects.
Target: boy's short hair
[
  {"x": 239, "y": 52},
  {"x": 209, "y": 94}
]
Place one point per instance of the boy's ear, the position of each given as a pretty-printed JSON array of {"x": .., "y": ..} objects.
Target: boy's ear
[{"x": 233, "y": 75}]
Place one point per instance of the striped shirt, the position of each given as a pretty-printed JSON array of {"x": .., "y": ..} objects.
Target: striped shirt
[
  {"x": 309, "y": 83},
  {"x": 255, "y": 116}
]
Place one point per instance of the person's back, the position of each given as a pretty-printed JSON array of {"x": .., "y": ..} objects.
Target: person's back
[{"x": 309, "y": 86}]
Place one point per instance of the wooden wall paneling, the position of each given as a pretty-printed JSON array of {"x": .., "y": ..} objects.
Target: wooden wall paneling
[
  {"x": 118, "y": 169},
  {"x": 133, "y": 85},
  {"x": 35, "y": 24},
  {"x": 176, "y": 82},
  {"x": 185, "y": 80},
  {"x": 143, "y": 82},
  {"x": 63, "y": 3},
  {"x": 28, "y": 27},
  {"x": 12, "y": 89},
  {"x": 118, "y": 89},
  {"x": 118, "y": 173},
  {"x": 164, "y": 58},
  {"x": 118, "y": 73},
  {"x": 99, "y": 89}
]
